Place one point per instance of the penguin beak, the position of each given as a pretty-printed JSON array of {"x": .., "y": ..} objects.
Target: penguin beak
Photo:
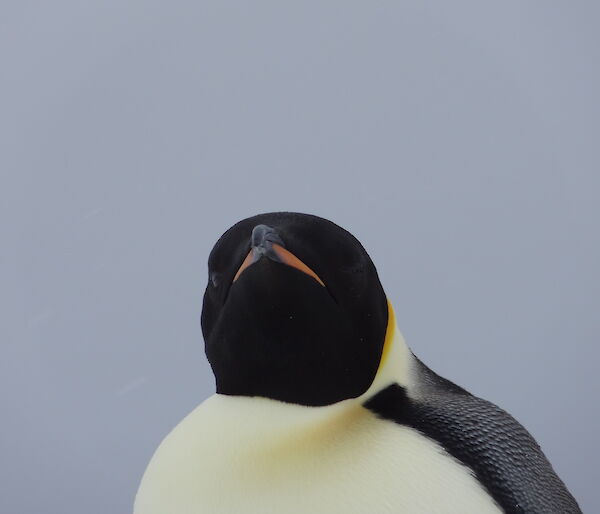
[{"x": 266, "y": 242}]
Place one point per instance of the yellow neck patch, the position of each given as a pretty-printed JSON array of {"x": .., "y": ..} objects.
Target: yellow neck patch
[{"x": 389, "y": 335}]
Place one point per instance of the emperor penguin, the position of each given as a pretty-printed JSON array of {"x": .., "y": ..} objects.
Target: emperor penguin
[{"x": 321, "y": 407}]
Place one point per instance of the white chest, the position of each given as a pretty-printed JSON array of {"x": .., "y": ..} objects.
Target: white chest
[{"x": 255, "y": 456}]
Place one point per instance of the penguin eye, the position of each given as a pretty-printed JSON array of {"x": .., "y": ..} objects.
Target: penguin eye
[{"x": 214, "y": 278}]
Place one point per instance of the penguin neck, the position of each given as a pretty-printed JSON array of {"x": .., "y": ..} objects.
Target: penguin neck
[
  {"x": 394, "y": 366},
  {"x": 271, "y": 420}
]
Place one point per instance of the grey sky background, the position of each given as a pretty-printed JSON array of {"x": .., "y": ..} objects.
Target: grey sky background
[{"x": 457, "y": 140}]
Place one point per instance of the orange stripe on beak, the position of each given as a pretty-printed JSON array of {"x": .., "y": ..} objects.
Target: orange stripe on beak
[
  {"x": 247, "y": 261},
  {"x": 291, "y": 260},
  {"x": 286, "y": 257}
]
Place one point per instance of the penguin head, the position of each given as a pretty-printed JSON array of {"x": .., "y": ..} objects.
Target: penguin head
[{"x": 293, "y": 311}]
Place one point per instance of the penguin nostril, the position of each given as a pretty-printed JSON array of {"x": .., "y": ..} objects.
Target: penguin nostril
[{"x": 262, "y": 235}]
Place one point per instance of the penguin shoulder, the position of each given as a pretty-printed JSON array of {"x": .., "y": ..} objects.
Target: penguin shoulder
[{"x": 500, "y": 452}]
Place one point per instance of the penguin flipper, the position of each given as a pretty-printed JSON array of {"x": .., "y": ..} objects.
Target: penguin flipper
[{"x": 502, "y": 455}]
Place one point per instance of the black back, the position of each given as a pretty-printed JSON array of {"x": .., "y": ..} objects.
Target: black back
[{"x": 502, "y": 455}]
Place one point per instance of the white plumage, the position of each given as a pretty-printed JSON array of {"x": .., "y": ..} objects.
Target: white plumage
[{"x": 248, "y": 455}]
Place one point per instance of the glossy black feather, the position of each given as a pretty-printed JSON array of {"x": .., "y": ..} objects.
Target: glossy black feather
[{"x": 503, "y": 456}]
